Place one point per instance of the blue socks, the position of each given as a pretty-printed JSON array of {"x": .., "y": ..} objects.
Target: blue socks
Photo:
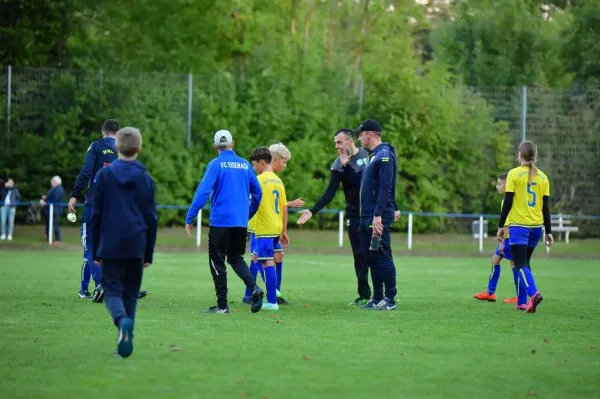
[
  {"x": 516, "y": 279},
  {"x": 254, "y": 267},
  {"x": 271, "y": 283},
  {"x": 494, "y": 276},
  {"x": 279, "y": 269},
  {"x": 86, "y": 274},
  {"x": 521, "y": 291},
  {"x": 96, "y": 273},
  {"x": 529, "y": 281}
]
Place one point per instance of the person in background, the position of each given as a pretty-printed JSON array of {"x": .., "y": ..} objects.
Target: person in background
[
  {"x": 55, "y": 196},
  {"x": 9, "y": 197}
]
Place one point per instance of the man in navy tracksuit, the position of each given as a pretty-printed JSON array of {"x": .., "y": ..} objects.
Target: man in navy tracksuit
[
  {"x": 236, "y": 195},
  {"x": 377, "y": 199},
  {"x": 123, "y": 225},
  {"x": 100, "y": 154}
]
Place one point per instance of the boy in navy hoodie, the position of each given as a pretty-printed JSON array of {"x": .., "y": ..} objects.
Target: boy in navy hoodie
[{"x": 124, "y": 224}]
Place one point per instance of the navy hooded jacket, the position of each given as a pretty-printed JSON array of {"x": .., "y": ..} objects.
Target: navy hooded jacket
[
  {"x": 100, "y": 154},
  {"x": 124, "y": 220},
  {"x": 378, "y": 183}
]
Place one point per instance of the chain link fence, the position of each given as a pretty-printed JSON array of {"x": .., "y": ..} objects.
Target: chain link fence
[{"x": 564, "y": 123}]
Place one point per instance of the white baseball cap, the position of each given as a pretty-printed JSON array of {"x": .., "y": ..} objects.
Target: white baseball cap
[{"x": 223, "y": 137}]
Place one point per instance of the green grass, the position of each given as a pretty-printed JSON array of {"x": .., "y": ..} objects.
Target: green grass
[
  {"x": 324, "y": 242},
  {"x": 439, "y": 343}
]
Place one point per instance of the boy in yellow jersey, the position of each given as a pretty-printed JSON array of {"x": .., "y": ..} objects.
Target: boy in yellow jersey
[
  {"x": 527, "y": 200},
  {"x": 280, "y": 155},
  {"x": 270, "y": 221},
  {"x": 502, "y": 252}
]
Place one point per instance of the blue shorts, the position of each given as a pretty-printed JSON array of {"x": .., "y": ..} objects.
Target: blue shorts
[
  {"x": 507, "y": 253},
  {"x": 265, "y": 247},
  {"x": 86, "y": 234},
  {"x": 254, "y": 248},
  {"x": 529, "y": 236}
]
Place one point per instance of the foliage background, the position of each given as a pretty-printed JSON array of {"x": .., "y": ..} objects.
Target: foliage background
[{"x": 297, "y": 70}]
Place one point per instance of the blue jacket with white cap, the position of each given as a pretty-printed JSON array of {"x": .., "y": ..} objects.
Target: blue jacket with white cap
[{"x": 235, "y": 190}]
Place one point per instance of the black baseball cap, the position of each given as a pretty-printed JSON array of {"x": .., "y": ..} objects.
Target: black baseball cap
[
  {"x": 369, "y": 125},
  {"x": 111, "y": 125}
]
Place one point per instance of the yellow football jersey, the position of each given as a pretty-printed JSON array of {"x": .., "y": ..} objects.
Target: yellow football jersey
[
  {"x": 507, "y": 223},
  {"x": 268, "y": 221},
  {"x": 251, "y": 224},
  {"x": 526, "y": 210}
]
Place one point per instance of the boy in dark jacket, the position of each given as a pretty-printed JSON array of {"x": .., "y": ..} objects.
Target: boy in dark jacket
[{"x": 124, "y": 224}]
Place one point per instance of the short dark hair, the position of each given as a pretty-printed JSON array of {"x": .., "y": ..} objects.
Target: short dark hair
[
  {"x": 346, "y": 131},
  {"x": 503, "y": 176},
  {"x": 111, "y": 126},
  {"x": 261, "y": 154}
]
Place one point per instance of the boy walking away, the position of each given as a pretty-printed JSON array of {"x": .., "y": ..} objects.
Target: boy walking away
[{"x": 124, "y": 223}]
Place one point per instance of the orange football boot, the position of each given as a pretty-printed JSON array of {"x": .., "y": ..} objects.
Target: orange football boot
[
  {"x": 510, "y": 300},
  {"x": 484, "y": 296}
]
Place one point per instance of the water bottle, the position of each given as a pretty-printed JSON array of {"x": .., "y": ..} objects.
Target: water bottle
[{"x": 375, "y": 243}]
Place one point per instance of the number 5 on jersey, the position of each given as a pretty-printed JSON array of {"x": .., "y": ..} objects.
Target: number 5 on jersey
[{"x": 533, "y": 201}]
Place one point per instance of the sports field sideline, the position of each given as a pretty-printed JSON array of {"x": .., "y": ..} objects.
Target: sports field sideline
[{"x": 439, "y": 343}]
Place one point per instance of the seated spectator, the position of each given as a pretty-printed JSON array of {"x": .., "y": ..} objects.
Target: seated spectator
[{"x": 56, "y": 197}]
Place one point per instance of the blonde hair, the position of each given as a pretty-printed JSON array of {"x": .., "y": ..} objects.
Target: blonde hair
[
  {"x": 129, "y": 141},
  {"x": 528, "y": 151},
  {"x": 280, "y": 151}
]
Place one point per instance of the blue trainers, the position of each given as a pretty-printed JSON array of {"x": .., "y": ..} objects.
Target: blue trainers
[
  {"x": 369, "y": 304},
  {"x": 385, "y": 304},
  {"x": 125, "y": 341}
]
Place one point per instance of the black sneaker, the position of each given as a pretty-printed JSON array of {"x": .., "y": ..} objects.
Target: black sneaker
[
  {"x": 142, "y": 294},
  {"x": 281, "y": 301},
  {"x": 257, "y": 299},
  {"x": 85, "y": 295},
  {"x": 216, "y": 309},
  {"x": 98, "y": 295},
  {"x": 359, "y": 302}
]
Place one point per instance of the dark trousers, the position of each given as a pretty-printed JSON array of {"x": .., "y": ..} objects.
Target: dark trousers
[
  {"x": 360, "y": 266},
  {"x": 227, "y": 243},
  {"x": 121, "y": 280},
  {"x": 380, "y": 262},
  {"x": 55, "y": 227}
]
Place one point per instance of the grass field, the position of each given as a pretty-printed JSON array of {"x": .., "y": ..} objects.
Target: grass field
[
  {"x": 323, "y": 242},
  {"x": 439, "y": 343}
]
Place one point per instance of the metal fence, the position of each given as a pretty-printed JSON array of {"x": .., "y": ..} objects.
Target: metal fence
[
  {"x": 564, "y": 123},
  {"x": 478, "y": 225}
]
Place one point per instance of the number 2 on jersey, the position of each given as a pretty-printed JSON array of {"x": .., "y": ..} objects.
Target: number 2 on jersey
[
  {"x": 533, "y": 201},
  {"x": 276, "y": 194}
]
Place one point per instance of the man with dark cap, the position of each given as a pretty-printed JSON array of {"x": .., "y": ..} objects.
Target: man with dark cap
[
  {"x": 100, "y": 154},
  {"x": 377, "y": 199},
  {"x": 347, "y": 169}
]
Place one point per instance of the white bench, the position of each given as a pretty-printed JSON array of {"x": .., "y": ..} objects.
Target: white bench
[{"x": 562, "y": 225}]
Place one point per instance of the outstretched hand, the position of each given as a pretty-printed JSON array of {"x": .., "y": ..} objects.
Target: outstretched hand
[
  {"x": 297, "y": 203},
  {"x": 304, "y": 216}
]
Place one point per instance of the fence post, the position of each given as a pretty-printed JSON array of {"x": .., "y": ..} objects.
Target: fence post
[
  {"x": 189, "y": 110},
  {"x": 480, "y": 233},
  {"x": 410, "y": 230},
  {"x": 523, "y": 113},
  {"x": 8, "y": 99},
  {"x": 50, "y": 223},
  {"x": 199, "y": 229},
  {"x": 341, "y": 229}
]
